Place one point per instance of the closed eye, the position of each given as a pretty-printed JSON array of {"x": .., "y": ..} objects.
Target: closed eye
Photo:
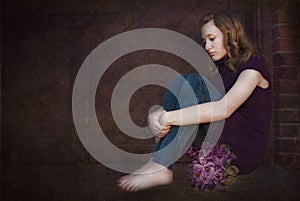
[{"x": 212, "y": 38}]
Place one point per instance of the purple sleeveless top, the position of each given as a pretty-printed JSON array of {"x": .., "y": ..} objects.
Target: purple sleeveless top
[{"x": 247, "y": 129}]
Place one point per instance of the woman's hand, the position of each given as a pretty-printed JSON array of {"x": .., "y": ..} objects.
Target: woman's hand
[{"x": 156, "y": 121}]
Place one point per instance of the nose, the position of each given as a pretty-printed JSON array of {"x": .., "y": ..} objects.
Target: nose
[{"x": 207, "y": 45}]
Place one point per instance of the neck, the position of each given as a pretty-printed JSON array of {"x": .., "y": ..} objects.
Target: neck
[{"x": 221, "y": 61}]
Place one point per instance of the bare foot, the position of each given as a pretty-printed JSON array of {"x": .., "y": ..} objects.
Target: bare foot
[
  {"x": 149, "y": 167},
  {"x": 150, "y": 175}
]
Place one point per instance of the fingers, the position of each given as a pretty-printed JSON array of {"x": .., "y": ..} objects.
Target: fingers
[
  {"x": 156, "y": 139},
  {"x": 167, "y": 128},
  {"x": 162, "y": 117},
  {"x": 156, "y": 127},
  {"x": 163, "y": 130},
  {"x": 156, "y": 121},
  {"x": 162, "y": 133}
]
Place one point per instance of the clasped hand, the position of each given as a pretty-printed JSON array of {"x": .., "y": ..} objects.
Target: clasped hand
[{"x": 157, "y": 123}]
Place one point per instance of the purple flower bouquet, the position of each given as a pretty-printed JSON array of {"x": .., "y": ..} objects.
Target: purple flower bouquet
[{"x": 211, "y": 168}]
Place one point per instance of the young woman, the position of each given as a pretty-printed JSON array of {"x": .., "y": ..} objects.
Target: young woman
[{"x": 246, "y": 106}]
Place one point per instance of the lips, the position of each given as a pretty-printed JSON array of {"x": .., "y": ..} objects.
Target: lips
[{"x": 212, "y": 53}]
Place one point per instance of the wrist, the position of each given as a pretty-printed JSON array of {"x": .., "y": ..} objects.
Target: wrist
[{"x": 168, "y": 119}]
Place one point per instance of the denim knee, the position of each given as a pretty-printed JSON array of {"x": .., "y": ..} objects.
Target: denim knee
[{"x": 198, "y": 84}]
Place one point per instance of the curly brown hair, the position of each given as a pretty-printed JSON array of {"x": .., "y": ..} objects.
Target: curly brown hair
[{"x": 239, "y": 47}]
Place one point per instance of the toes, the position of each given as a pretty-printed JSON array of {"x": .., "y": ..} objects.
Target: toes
[
  {"x": 130, "y": 184},
  {"x": 136, "y": 188},
  {"x": 122, "y": 181},
  {"x": 126, "y": 184},
  {"x": 135, "y": 184}
]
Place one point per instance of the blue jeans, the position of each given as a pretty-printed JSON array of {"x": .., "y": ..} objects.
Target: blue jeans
[{"x": 184, "y": 91}]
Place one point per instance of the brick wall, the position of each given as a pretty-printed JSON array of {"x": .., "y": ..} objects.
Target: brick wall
[{"x": 286, "y": 63}]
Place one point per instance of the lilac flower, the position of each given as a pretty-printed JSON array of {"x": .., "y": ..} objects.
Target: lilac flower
[
  {"x": 210, "y": 165},
  {"x": 206, "y": 179},
  {"x": 193, "y": 152},
  {"x": 219, "y": 176}
]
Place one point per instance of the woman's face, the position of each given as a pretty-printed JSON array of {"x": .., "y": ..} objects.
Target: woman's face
[{"x": 213, "y": 41}]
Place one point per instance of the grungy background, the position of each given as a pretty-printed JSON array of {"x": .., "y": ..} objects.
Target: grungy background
[{"x": 44, "y": 43}]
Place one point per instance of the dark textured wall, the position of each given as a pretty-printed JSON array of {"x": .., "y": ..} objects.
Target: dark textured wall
[{"x": 43, "y": 46}]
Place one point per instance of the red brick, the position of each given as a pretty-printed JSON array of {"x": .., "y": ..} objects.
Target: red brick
[
  {"x": 284, "y": 159},
  {"x": 286, "y": 116},
  {"x": 286, "y": 45},
  {"x": 289, "y": 146},
  {"x": 287, "y": 101},
  {"x": 286, "y": 16},
  {"x": 286, "y": 87},
  {"x": 285, "y": 59},
  {"x": 291, "y": 5},
  {"x": 297, "y": 161},
  {"x": 290, "y": 30},
  {"x": 286, "y": 130},
  {"x": 286, "y": 73}
]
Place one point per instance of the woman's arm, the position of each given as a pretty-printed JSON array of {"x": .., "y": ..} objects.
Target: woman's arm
[{"x": 217, "y": 110}]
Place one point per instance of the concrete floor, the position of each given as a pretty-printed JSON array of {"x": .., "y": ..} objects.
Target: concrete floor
[{"x": 94, "y": 182}]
